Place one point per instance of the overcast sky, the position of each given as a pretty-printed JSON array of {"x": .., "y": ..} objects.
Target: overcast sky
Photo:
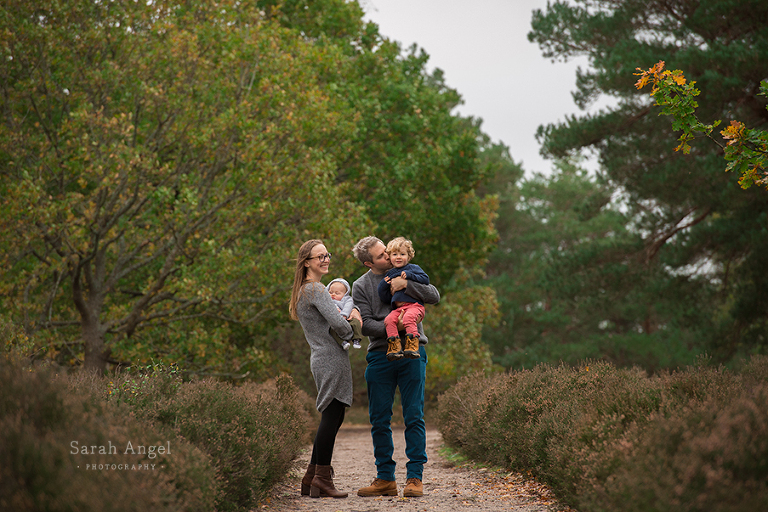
[{"x": 483, "y": 49}]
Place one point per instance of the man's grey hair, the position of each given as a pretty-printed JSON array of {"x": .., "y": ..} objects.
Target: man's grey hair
[{"x": 362, "y": 249}]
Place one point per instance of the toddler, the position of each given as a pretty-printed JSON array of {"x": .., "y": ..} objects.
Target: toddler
[{"x": 401, "y": 252}]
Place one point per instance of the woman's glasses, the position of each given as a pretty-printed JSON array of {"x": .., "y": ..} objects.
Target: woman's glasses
[{"x": 322, "y": 257}]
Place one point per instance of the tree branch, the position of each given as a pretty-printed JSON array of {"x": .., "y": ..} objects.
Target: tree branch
[{"x": 656, "y": 245}]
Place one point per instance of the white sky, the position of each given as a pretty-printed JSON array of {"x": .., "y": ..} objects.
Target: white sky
[{"x": 483, "y": 49}]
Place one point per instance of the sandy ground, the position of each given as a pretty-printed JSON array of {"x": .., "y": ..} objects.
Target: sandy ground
[{"x": 447, "y": 487}]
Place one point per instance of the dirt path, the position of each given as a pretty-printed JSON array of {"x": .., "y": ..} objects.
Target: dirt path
[{"x": 447, "y": 488}]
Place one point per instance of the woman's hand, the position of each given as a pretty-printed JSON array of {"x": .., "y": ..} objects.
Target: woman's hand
[{"x": 356, "y": 314}]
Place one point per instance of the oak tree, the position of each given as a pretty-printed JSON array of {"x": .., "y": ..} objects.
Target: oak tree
[{"x": 160, "y": 164}]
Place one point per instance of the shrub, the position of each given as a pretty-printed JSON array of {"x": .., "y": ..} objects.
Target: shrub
[
  {"x": 615, "y": 439},
  {"x": 755, "y": 371},
  {"x": 520, "y": 416},
  {"x": 710, "y": 456},
  {"x": 41, "y": 468},
  {"x": 251, "y": 432},
  {"x": 230, "y": 444}
]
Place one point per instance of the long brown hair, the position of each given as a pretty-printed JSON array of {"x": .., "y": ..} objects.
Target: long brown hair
[{"x": 300, "y": 276}]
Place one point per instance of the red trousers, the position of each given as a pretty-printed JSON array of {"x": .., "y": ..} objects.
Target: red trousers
[{"x": 414, "y": 313}]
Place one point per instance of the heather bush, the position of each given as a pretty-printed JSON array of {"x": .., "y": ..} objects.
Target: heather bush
[
  {"x": 521, "y": 415},
  {"x": 251, "y": 432},
  {"x": 755, "y": 371},
  {"x": 600, "y": 435},
  {"x": 710, "y": 456},
  {"x": 228, "y": 444},
  {"x": 45, "y": 424}
]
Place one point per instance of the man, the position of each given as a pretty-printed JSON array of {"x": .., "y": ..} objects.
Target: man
[{"x": 384, "y": 377}]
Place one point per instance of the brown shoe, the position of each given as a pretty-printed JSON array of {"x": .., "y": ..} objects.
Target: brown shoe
[
  {"x": 413, "y": 488},
  {"x": 322, "y": 484},
  {"x": 306, "y": 481},
  {"x": 394, "y": 350},
  {"x": 411, "y": 350},
  {"x": 379, "y": 487}
]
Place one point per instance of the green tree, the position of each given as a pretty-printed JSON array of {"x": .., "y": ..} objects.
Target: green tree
[
  {"x": 572, "y": 283},
  {"x": 697, "y": 227},
  {"x": 160, "y": 163},
  {"x": 416, "y": 166},
  {"x": 411, "y": 164}
]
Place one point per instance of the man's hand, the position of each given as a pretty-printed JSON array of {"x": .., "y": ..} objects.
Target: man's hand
[
  {"x": 398, "y": 283},
  {"x": 400, "y": 325},
  {"x": 356, "y": 314}
]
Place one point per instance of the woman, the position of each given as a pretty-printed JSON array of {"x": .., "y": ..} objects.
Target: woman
[{"x": 312, "y": 305}]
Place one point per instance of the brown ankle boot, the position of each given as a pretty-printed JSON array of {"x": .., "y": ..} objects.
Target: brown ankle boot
[
  {"x": 413, "y": 488},
  {"x": 379, "y": 487},
  {"x": 411, "y": 349},
  {"x": 322, "y": 484},
  {"x": 394, "y": 350},
  {"x": 306, "y": 481}
]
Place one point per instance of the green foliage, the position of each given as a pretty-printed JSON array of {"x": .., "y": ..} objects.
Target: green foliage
[
  {"x": 456, "y": 327},
  {"x": 409, "y": 153},
  {"x": 161, "y": 163},
  {"x": 321, "y": 19},
  {"x": 691, "y": 237},
  {"x": 41, "y": 415},
  {"x": 614, "y": 439},
  {"x": 143, "y": 386},
  {"x": 410, "y": 150},
  {"x": 573, "y": 281},
  {"x": 746, "y": 149},
  {"x": 15, "y": 341},
  {"x": 172, "y": 161}
]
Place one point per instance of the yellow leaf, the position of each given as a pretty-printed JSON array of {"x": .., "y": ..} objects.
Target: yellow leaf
[
  {"x": 733, "y": 132},
  {"x": 678, "y": 77}
]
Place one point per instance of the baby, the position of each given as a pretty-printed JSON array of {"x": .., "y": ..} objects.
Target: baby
[{"x": 339, "y": 290}]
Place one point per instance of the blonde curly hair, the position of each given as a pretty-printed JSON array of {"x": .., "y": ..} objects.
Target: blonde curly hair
[{"x": 400, "y": 243}]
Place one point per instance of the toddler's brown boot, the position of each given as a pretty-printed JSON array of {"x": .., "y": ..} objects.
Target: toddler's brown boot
[
  {"x": 411, "y": 349},
  {"x": 394, "y": 349}
]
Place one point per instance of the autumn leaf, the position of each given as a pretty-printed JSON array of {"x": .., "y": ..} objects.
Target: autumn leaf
[
  {"x": 733, "y": 133},
  {"x": 678, "y": 77}
]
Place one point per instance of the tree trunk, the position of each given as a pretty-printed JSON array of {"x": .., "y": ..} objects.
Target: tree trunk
[{"x": 95, "y": 353}]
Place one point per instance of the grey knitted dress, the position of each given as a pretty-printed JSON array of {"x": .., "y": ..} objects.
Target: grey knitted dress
[{"x": 328, "y": 361}]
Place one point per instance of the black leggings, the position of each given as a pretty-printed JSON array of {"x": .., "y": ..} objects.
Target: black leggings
[{"x": 330, "y": 422}]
